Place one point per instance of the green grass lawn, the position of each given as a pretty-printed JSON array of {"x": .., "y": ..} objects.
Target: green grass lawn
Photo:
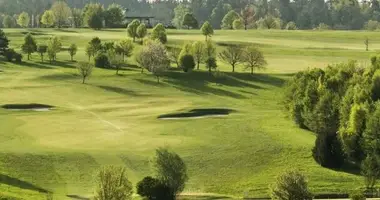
[{"x": 113, "y": 119}]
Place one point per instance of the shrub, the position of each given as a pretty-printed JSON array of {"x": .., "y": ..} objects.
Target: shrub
[
  {"x": 113, "y": 183},
  {"x": 101, "y": 61},
  {"x": 328, "y": 151},
  {"x": 159, "y": 33},
  {"x": 291, "y": 26},
  {"x": 152, "y": 188},
  {"x": 211, "y": 63},
  {"x": 323, "y": 26},
  {"x": 187, "y": 62},
  {"x": 371, "y": 25},
  {"x": 9, "y": 54},
  {"x": 357, "y": 195},
  {"x": 18, "y": 57},
  {"x": 290, "y": 185}
]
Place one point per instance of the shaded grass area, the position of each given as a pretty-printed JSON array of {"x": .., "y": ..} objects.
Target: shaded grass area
[
  {"x": 27, "y": 106},
  {"x": 204, "y": 112}
]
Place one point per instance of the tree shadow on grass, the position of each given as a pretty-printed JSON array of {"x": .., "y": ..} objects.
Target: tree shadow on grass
[
  {"x": 203, "y": 197},
  {"x": 37, "y": 65},
  {"x": 267, "y": 79},
  {"x": 65, "y": 76},
  {"x": 120, "y": 90},
  {"x": 74, "y": 196},
  {"x": 65, "y": 30},
  {"x": 64, "y": 64},
  {"x": 149, "y": 82},
  {"x": 4, "y": 179}
]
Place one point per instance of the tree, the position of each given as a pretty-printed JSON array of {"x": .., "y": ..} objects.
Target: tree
[
  {"x": 174, "y": 54},
  {"x": 154, "y": 57},
  {"x": 328, "y": 151},
  {"x": 179, "y": 14},
  {"x": 77, "y": 18},
  {"x": 54, "y": 47},
  {"x": 141, "y": 31},
  {"x": 23, "y": 20},
  {"x": 253, "y": 58},
  {"x": 171, "y": 170},
  {"x": 159, "y": 33},
  {"x": 152, "y": 188},
  {"x": 210, "y": 49},
  {"x": 207, "y": 30},
  {"x": 115, "y": 60},
  {"x": 62, "y": 12},
  {"x": 125, "y": 48},
  {"x": 370, "y": 169},
  {"x": 96, "y": 45},
  {"x": 114, "y": 16},
  {"x": 85, "y": 70},
  {"x": 8, "y": 22},
  {"x": 218, "y": 12},
  {"x": 113, "y": 184},
  {"x": 94, "y": 16},
  {"x": 187, "y": 62},
  {"x": 4, "y": 42},
  {"x": 229, "y": 18},
  {"x": 72, "y": 51},
  {"x": 132, "y": 29},
  {"x": 366, "y": 42},
  {"x": 198, "y": 51},
  {"x": 48, "y": 18},
  {"x": 211, "y": 64},
  {"x": 371, "y": 134},
  {"x": 29, "y": 45},
  {"x": 237, "y": 24},
  {"x": 189, "y": 21},
  {"x": 232, "y": 55},
  {"x": 247, "y": 15},
  {"x": 291, "y": 185},
  {"x": 291, "y": 26},
  {"x": 269, "y": 22},
  {"x": 42, "y": 49}
]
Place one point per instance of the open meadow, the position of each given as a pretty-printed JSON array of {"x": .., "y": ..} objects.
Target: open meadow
[{"x": 112, "y": 119}]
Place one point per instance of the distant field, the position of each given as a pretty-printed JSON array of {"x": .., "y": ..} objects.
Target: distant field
[{"x": 113, "y": 119}]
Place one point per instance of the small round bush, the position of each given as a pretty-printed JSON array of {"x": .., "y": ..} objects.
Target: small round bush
[
  {"x": 211, "y": 63},
  {"x": 187, "y": 62},
  {"x": 9, "y": 55},
  {"x": 101, "y": 61},
  {"x": 291, "y": 26},
  {"x": 17, "y": 57},
  {"x": 151, "y": 188},
  {"x": 357, "y": 195}
]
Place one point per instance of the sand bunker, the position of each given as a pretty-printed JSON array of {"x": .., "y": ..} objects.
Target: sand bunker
[
  {"x": 32, "y": 106},
  {"x": 199, "y": 113}
]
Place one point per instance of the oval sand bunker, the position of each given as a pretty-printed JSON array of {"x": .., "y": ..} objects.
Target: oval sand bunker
[
  {"x": 28, "y": 107},
  {"x": 198, "y": 113}
]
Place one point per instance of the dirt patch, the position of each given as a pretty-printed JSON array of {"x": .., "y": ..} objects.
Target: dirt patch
[
  {"x": 199, "y": 113},
  {"x": 32, "y": 106}
]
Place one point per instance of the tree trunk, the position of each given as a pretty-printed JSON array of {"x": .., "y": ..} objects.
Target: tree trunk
[
  {"x": 233, "y": 68},
  {"x": 72, "y": 59},
  {"x": 84, "y": 78},
  {"x": 117, "y": 70},
  {"x": 158, "y": 79},
  {"x": 198, "y": 66},
  {"x": 123, "y": 57},
  {"x": 209, "y": 70},
  {"x": 42, "y": 58},
  {"x": 252, "y": 70},
  {"x": 28, "y": 56},
  {"x": 206, "y": 37}
]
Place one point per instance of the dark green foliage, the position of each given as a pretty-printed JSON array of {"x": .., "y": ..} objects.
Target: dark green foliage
[
  {"x": 291, "y": 185},
  {"x": 4, "y": 42},
  {"x": 370, "y": 169},
  {"x": 159, "y": 33},
  {"x": 211, "y": 63},
  {"x": 328, "y": 151},
  {"x": 153, "y": 189},
  {"x": 187, "y": 62},
  {"x": 114, "y": 16},
  {"x": 42, "y": 49},
  {"x": 9, "y": 54},
  {"x": 29, "y": 45},
  {"x": 101, "y": 61},
  {"x": 357, "y": 195},
  {"x": 93, "y": 15},
  {"x": 17, "y": 57},
  {"x": 189, "y": 21},
  {"x": 96, "y": 44}
]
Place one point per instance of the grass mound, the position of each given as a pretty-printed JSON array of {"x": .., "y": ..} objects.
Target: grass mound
[{"x": 195, "y": 113}]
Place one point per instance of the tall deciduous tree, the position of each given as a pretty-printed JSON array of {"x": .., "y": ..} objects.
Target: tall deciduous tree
[
  {"x": 42, "y": 49},
  {"x": 228, "y": 20},
  {"x": 179, "y": 14},
  {"x": 159, "y": 33},
  {"x": 125, "y": 48},
  {"x": 219, "y": 12},
  {"x": 207, "y": 30},
  {"x": 62, "y": 13},
  {"x": 114, "y": 16},
  {"x": 141, "y": 31},
  {"x": 48, "y": 18},
  {"x": 233, "y": 55},
  {"x": 72, "y": 51},
  {"x": 174, "y": 54},
  {"x": 199, "y": 52},
  {"x": 23, "y": 20},
  {"x": 189, "y": 21},
  {"x": 29, "y": 45},
  {"x": 85, "y": 71},
  {"x": 8, "y": 22},
  {"x": 253, "y": 58},
  {"x": 94, "y": 16},
  {"x": 247, "y": 15},
  {"x": 54, "y": 47},
  {"x": 132, "y": 29},
  {"x": 77, "y": 17},
  {"x": 171, "y": 170}
]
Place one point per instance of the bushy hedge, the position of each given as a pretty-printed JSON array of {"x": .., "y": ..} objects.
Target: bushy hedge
[{"x": 337, "y": 102}]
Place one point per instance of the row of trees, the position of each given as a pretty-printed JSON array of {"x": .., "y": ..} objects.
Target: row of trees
[
  {"x": 341, "y": 105},
  {"x": 304, "y": 14}
]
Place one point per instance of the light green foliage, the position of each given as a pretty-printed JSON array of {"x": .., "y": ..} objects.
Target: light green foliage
[
  {"x": 115, "y": 60},
  {"x": 154, "y": 57},
  {"x": 228, "y": 19},
  {"x": 219, "y": 12},
  {"x": 113, "y": 184},
  {"x": 291, "y": 26},
  {"x": 210, "y": 49},
  {"x": 190, "y": 21},
  {"x": 141, "y": 31},
  {"x": 132, "y": 29},
  {"x": 77, "y": 17},
  {"x": 372, "y": 25},
  {"x": 8, "y": 22},
  {"x": 323, "y": 26},
  {"x": 89, "y": 51},
  {"x": 371, "y": 134},
  {"x": 248, "y": 16},
  {"x": 211, "y": 64},
  {"x": 72, "y": 51},
  {"x": 42, "y": 49},
  {"x": 207, "y": 30},
  {"x": 238, "y": 24},
  {"x": 290, "y": 185},
  {"x": 370, "y": 169},
  {"x": 199, "y": 53},
  {"x": 54, "y": 47},
  {"x": 179, "y": 14},
  {"x": 48, "y": 18},
  {"x": 187, "y": 49},
  {"x": 159, "y": 33},
  {"x": 94, "y": 16},
  {"x": 233, "y": 55},
  {"x": 96, "y": 45},
  {"x": 357, "y": 119},
  {"x": 269, "y": 22},
  {"x": 29, "y": 46},
  {"x": 357, "y": 195},
  {"x": 254, "y": 58},
  {"x": 174, "y": 54},
  {"x": 62, "y": 13},
  {"x": 114, "y": 16},
  {"x": 171, "y": 170},
  {"x": 124, "y": 48},
  {"x": 23, "y": 20},
  {"x": 85, "y": 71}
]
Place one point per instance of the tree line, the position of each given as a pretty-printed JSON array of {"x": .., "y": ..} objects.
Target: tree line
[{"x": 227, "y": 14}]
